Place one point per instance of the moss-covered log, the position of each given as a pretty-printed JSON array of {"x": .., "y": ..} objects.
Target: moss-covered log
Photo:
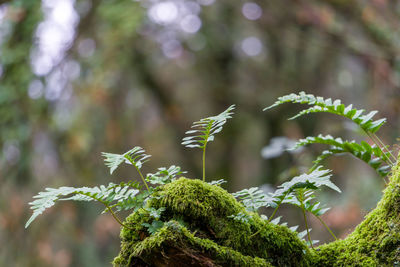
[{"x": 199, "y": 232}]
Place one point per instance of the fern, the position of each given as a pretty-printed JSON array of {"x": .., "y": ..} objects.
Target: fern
[
  {"x": 253, "y": 198},
  {"x": 372, "y": 155},
  {"x": 154, "y": 227},
  {"x": 155, "y": 213},
  {"x": 241, "y": 217},
  {"x": 364, "y": 121},
  {"x": 313, "y": 180},
  {"x": 136, "y": 157},
  {"x": 113, "y": 195},
  {"x": 299, "y": 192},
  {"x": 217, "y": 182},
  {"x": 164, "y": 175},
  {"x": 204, "y": 131},
  {"x": 320, "y": 104}
]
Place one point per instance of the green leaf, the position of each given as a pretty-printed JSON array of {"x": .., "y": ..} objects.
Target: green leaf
[
  {"x": 113, "y": 194},
  {"x": 205, "y": 129},
  {"x": 164, "y": 175},
  {"x": 136, "y": 157},
  {"x": 241, "y": 217},
  {"x": 335, "y": 107},
  {"x": 313, "y": 180},
  {"x": 253, "y": 198},
  {"x": 370, "y": 154},
  {"x": 155, "y": 213},
  {"x": 217, "y": 182},
  {"x": 154, "y": 227}
]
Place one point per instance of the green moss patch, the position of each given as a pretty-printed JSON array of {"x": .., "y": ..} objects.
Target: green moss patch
[
  {"x": 205, "y": 211},
  {"x": 376, "y": 241},
  {"x": 198, "y": 228}
]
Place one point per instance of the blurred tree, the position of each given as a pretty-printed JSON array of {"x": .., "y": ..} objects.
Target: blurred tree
[{"x": 85, "y": 76}]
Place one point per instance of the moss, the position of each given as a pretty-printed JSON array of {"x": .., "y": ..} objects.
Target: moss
[
  {"x": 174, "y": 236},
  {"x": 209, "y": 234},
  {"x": 376, "y": 241},
  {"x": 205, "y": 209}
]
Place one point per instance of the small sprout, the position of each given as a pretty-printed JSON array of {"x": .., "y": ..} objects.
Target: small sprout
[
  {"x": 241, "y": 217},
  {"x": 204, "y": 131},
  {"x": 154, "y": 227},
  {"x": 164, "y": 175}
]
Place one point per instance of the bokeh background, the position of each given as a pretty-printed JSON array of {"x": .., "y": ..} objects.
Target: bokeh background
[{"x": 78, "y": 77}]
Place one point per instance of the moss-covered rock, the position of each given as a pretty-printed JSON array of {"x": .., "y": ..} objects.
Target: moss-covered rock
[
  {"x": 200, "y": 232},
  {"x": 224, "y": 241},
  {"x": 376, "y": 241}
]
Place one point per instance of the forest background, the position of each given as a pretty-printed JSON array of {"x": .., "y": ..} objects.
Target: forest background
[{"x": 86, "y": 76}]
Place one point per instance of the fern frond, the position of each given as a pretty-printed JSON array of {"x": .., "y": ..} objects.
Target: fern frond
[
  {"x": 136, "y": 157},
  {"x": 218, "y": 182},
  {"x": 106, "y": 195},
  {"x": 164, "y": 175},
  {"x": 314, "y": 180},
  {"x": 241, "y": 217},
  {"x": 320, "y": 104},
  {"x": 205, "y": 129},
  {"x": 304, "y": 198},
  {"x": 253, "y": 198},
  {"x": 307, "y": 198},
  {"x": 370, "y": 154}
]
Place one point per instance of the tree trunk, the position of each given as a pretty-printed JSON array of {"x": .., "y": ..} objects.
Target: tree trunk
[{"x": 199, "y": 232}]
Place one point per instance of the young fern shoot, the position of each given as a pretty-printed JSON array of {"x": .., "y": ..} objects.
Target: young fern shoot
[
  {"x": 300, "y": 192},
  {"x": 136, "y": 157},
  {"x": 204, "y": 131}
]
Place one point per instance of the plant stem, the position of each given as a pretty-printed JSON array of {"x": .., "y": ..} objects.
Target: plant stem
[
  {"x": 117, "y": 219},
  {"x": 305, "y": 220},
  {"x": 389, "y": 161},
  {"x": 270, "y": 218},
  {"x": 326, "y": 226},
  {"x": 380, "y": 141},
  {"x": 204, "y": 162},
  {"x": 273, "y": 213},
  {"x": 138, "y": 170},
  {"x": 141, "y": 176},
  {"x": 255, "y": 233},
  {"x": 112, "y": 212}
]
